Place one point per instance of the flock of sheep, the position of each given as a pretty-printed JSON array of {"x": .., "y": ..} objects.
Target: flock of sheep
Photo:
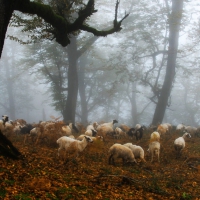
[{"x": 128, "y": 152}]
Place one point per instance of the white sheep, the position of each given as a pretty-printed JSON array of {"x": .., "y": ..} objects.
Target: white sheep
[
  {"x": 17, "y": 128},
  {"x": 169, "y": 127},
  {"x": 154, "y": 150},
  {"x": 4, "y": 119},
  {"x": 192, "y": 130},
  {"x": 124, "y": 127},
  {"x": 155, "y": 136},
  {"x": 106, "y": 128},
  {"x": 119, "y": 133},
  {"x": 71, "y": 136},
  {"x": 180, "y": 127},
  {"x": 137, "y": 126},
  {"x": 120, "y": 151},
  {"x": 34, "y": 133},
  {"x": 80, "y": 137},
  {"x": 91, "y": 132},
  {"x": 3, "y": 122},
  {"x": 6, "y": 126},
  {"x": 72, "y": 145},
  {"x": 92, "y": 126},
  {"x": 179, "y": 144},
  {"x": 68, "y": 130},
  {"x": 137, "y": 151},
  {"x": 162, "y": 129}
]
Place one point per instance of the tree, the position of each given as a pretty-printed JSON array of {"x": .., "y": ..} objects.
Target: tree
[
  {"x": 174, "y": 28},
  {"x": 61, "y": 27}
]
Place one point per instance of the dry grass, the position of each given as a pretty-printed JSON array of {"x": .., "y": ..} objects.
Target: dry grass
[{"x": 42, "y": 175}]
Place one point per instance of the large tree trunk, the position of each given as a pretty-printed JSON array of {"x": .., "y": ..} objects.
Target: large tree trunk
[
  {"x": 70, "y": 109},
  {"x": 6, "y": 10},
  {"x": 81, "y": 85},
  {"x": 174, "y": 28}
]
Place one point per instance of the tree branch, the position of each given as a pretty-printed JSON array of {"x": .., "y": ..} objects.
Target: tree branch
[{"x": 62, "y": 27}]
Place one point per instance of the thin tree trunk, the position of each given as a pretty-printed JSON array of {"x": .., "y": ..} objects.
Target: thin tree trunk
[
  {"x": 81, "y": 85},
  {"x": 134, "y": 113},
  {"x": 174, "y": 28}
]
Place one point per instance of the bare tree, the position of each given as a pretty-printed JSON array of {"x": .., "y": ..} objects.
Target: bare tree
[{"x": 174, "y": 28}]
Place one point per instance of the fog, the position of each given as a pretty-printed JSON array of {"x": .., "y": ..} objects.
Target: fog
[{"x": 108, "y": 67}]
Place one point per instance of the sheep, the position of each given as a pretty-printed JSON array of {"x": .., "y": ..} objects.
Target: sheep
[
  {"x": 91, "y": 132},
  {"x": 92, "y": 126},
  {"x": 179, "y": 144},
  {"x": 120, "y": 151},
  {"x": 71, "y": 136},
  {"x": 68, "y": 130},
  {"x": 17, "y": 128},
  {"x": 137, "y": 151},
  {"x": 49, "y": 131},
  {"x": 180, "y": 127},
  {"x": 7, "y": 129},
  {"x": 80, "y": 137},
  {"x": 162, "y": 129},
  {"x": 152, "y": 128},
  {"x": 131, "y": 132},
  {"x": 124, "y": 128},
  {"x": 138, "y": 133},
  {"x": 154, "y": 150},
  {"x": 5, "y": 119},
  {"x": 3, "y": 122},
  {"x": 21, "y": 122},
  {"x": 192, "y": 130},
  {"x": 26, "y": 130},
  {"x": 198, "y": 132},
  {"x": 42, "y": 131},
  {"x": 106, "y": 128},
  {"x": 73, "y": 145},
  {"x": 155, "y": 136},
  {"x": 97, "y": 138},
  {"x": 119, "y": 133},
  {"x": 137, "y": 126},
  {"x": 169, "y": 127},
  {"x": 35, "y": 133}
]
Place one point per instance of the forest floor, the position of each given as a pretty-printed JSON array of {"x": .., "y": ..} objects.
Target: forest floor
[{"x": 42, "y": 175}]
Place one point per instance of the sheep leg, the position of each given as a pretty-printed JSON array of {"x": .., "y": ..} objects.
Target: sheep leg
[
  {"x": 158, "y": 156},
  {"x": 143, "y": 160},
  {"x": 59, "y": 151},
  {"x": 152, "y": 157},
  {"x": 25, "y": 139},
  {"x": 110, "y": 159},
  {"x": 36, "y": 140}
]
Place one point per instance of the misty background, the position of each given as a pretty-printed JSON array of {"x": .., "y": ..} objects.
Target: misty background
[{"x": 119, "y": 75}]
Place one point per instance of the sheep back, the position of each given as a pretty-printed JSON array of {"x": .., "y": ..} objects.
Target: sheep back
[{"x": 120, "y": 151}]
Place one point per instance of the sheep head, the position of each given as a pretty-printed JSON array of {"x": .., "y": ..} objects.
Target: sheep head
[
  {"x": 88, "y": 139},
  {"x": 115, "y": 121}
]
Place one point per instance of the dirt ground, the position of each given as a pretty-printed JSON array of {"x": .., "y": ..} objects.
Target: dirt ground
[{"x": 43, "y": 175}]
